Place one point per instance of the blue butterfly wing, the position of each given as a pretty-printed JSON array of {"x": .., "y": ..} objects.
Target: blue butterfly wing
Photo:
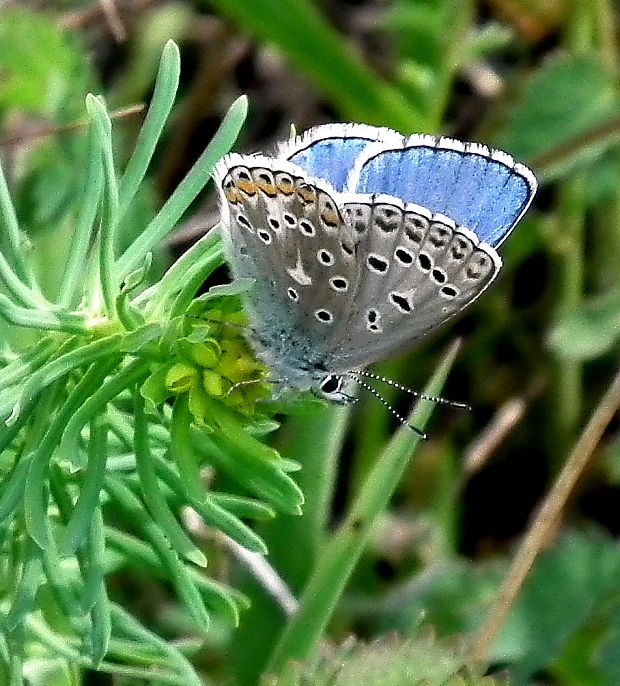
[
  {"x": 329, "y": 152},
  {"x": 330, "y": 159},
  {"x": 483, "y": 190}
]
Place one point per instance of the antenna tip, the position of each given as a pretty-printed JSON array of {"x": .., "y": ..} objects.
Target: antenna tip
[{"x": 419, "y": 432}]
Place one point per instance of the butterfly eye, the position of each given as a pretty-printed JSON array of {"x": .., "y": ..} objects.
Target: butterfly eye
[
  {"x": 332, "y": 387},
  {"x": 331, "y": 384}
]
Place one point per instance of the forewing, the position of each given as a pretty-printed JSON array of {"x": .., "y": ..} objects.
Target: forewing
[
  {"x": 329, "y": 151},
  {"x": 417, "y": 269},
  {"x": 482, "y": 189},
  {"x": 286, "y": 232}
]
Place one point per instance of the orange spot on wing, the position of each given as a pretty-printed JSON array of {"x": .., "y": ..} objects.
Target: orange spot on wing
[
  {"x": 247, "y": 187},
  {"x": 330, "y": 218},
  {"x": 307, "y": 194},
  {"x": 285, "y": 186},
  {"x": 232, "y": 196},
  {"x": 267, "y": 187}
]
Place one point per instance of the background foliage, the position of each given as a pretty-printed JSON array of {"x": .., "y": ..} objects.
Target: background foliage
[{"x": 538, "y": 79}]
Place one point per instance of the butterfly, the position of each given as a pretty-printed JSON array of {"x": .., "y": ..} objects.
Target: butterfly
[{"x": 360, "y": 241}]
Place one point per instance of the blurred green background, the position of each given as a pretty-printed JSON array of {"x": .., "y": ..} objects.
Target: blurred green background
[{"x": 537, "y": 78}]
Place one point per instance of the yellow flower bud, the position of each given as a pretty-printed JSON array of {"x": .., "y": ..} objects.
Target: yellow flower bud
[
  {"x": 206, "y": 354},
  {"x": 215, "y": 384},
  {"x": 180, "y": 377}
]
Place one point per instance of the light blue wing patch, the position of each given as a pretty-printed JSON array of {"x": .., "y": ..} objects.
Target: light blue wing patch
[
  {"x": 329, "y": 152},
  {"x": 330, "y": 159},
  {"x": 481, "y": 189}
]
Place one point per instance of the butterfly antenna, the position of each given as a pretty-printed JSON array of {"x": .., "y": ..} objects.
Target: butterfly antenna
[
  {"x": 240, "y": 328},
  {"x": 433, "y": 398},
  {"x": 248, "y": 382},
  {"x": 366, "y": 386}
]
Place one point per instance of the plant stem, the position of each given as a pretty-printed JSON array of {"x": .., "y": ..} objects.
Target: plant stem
[
  {"x": 342, "y": 552},
  {"x": 546, "y": 520},
  {"x": 568, "y": 376}
]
